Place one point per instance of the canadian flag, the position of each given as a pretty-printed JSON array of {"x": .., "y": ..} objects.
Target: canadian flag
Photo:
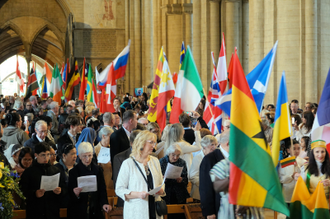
[{"x": 19, "y": 78}]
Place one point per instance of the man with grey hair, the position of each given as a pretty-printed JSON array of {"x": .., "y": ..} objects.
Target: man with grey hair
[
  {"x": 34, "y": 102},
  {"x": 39, "y": 136},
  {"x": 52, "y": 113},
  {"x": 19, "y": 107},
  {"x": 224, "y": 144},
  {"x": 108, "y": 119}
]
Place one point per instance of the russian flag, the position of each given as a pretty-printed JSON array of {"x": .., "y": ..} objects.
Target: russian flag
[
  {"x": 118, "y": 66},
  {"x": 321, "y": 126}
]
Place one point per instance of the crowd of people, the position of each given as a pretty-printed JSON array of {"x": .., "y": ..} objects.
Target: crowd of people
[{"x": 40, "y": 137}]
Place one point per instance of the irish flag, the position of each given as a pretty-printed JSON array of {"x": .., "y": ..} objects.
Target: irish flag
[
  {"x": 253, "y": 178},
  {"x": 189, "y": 90},
  {"x": 56, "y": 86},
  {"x": 308, "y": 206}
]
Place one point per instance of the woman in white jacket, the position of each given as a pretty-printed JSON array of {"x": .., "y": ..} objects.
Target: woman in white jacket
[
  {"x": 139, "y": 174},
  {"x": 175, "y": 135}
]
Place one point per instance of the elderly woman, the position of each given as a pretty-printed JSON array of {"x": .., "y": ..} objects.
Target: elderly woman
[
  {"x": 175, "y": 189},
  {"x": 175, "y": 135},
  {"x": 66, "y": 163},
  {"x": 87, "y": 205},
  {"x": 139, "y": 174},
  {"x": 87, "y": 135},
  {"x": 209, "y": 143},
  {"x": 104, "y": 135}
]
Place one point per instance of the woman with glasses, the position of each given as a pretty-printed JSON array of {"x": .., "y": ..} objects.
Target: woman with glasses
[
  {"x": 87, "y": 205},
  {"x": 175, "y": 189},
  {"x": 139, "y": 174},
  {"x": 66, "y": 163},
  {"x": 40, "y": 203}
]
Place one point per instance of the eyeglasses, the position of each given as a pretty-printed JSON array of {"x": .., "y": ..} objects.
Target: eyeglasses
[
  {"x": 44, "y": 155},
  {"x": 86, "y": 157},
  {"x": 175, "y": 155},
  {"x": 152, "y": 142}
]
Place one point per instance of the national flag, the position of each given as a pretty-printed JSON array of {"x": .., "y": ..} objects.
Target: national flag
[
  {"x": 253, "y": 179},
  {"x": 118, "y": 66},
  {"x": 222, "y": 66},
  {"x": 83, "y": 84},
  {"x": 257, "y": 79},
  {"x": 191, "y": 88},
  {"x": 44, "y": 91},
  {"x": 213, "y": 115},
  {"x": 110, "y": 93},
  {"x": 32, "y": 85},
  {"x": 165, "y": 93},
  {"x": 288, "y": 161},
  {"x": 152, "y": 116},
  {"x": 64, "y": 75},
  {"x": 308, "y": 206},
  {"x": 56, "y": 86},
  {"x": 230, "y": 71},
  {"x": 182, "y": 54},
  {"x": 321, "y": 126},
  {"x": 73, "y": 81},
  {"x": 282, "y": 124},
  {"x": 19, "y": 78},
  {"x": 90, "y": 84}
]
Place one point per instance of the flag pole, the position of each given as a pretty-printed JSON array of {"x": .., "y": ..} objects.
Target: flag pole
[{"x": 211, "y": 112}]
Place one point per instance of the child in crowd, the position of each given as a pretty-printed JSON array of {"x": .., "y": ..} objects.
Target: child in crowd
[
  {"x": 289, "y": 171},
  {"x": 304, "y": 143}
]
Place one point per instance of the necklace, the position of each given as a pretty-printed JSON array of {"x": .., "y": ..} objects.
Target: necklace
[{"x": 146, "y": 168}]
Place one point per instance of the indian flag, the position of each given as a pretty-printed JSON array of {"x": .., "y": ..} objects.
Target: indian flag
[
  {"x": 308, "y": 206},
  {"x": 56, "y": 85},
  {"x": 189, "y": 90},
  {"x": 253, "y": 178}
]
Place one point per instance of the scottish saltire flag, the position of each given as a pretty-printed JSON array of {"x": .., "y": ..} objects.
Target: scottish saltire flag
[
  {"x": 212, "y": 114},
  {"x": 257, "y": 79},
  {"x": 282, "y": 127},
  {"x": 321, "y": 126}
]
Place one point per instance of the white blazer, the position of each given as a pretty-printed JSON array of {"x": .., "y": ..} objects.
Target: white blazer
[{"x": 130, "y": 179}]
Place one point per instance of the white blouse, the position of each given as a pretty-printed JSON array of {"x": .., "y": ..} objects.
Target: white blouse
[{"x": 130, "y": 180}]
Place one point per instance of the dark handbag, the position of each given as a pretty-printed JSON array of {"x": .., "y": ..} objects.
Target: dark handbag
[{"x": 161, "y": 207}]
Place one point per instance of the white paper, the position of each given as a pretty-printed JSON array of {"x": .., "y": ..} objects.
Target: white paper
[
  {"x": 104, "y": 155},
  {"x": 172, "y": 172},
  {"x": 87, "y": 183},
  {"x": 49, "y": 183},
  {"x": 155, "y": 190}
]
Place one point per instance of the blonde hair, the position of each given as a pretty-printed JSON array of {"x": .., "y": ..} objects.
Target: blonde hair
[
  {"x": 165, "y": 132},
  {"x": 175, "y": 134},
  {"x": 140, "y": 142},
  {"x": 89, "y": 109}
]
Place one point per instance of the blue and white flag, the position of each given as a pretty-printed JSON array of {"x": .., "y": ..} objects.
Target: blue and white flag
[{"x": 257, "y": 79}]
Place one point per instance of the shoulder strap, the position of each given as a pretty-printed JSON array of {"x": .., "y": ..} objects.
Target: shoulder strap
[{"x": 140, "y": 171}]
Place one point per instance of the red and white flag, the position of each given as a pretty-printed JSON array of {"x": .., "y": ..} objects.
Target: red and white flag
[{"x": 19, "y": 78}]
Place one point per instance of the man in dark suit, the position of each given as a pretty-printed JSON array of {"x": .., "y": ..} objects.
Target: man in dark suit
[
  {"x": 119, "y": 140},
  {"x": 73, "y": 123},
  {"x": 119, "y": 159},
  {"x": 210, "y": 200},
  {"x": 189, "y": 133}
]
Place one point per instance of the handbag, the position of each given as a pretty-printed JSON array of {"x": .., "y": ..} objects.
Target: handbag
[{"x": 161, "y": 207}]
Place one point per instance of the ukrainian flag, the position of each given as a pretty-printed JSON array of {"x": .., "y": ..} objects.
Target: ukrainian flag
[{"x": 282, "y": 127}]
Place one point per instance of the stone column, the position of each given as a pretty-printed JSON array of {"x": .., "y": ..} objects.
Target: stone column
[
  {"x": 147, "y": 42},
  {"x": 215, "y": 38},
  {"x": 196, "y": 44},
  {"x": 206, "y": 64}
]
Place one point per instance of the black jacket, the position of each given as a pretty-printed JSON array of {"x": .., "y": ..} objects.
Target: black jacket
[
  {"x": 210, "y": 200},
  {"x": 116, "y": 164},
  {"x": 78, "y": 206},
  {"x": 34, "y": 140},
  {"x": 64, "y": 139},
  {"x": 189, "y": 135},
  {"x": 47, "y": 206},
  {"x": 119, "y": 142}
]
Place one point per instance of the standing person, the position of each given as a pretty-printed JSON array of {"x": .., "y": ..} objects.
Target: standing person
[
  {"x": 290, "y": 174},
  {"x": 318, "y": 169},
  {"x": 139, "y": 174},
  {"x": 304, "y": 144},
  {"x": 119, "y": 140},
  {"x": 104, "y": 135},
  {"x": 66, "y": 163},
  {"x": 305, "y": 128},
  {"x": 116, "y": 122},
  {"x": 34, "y": 102},
  {"x": 13, "y": 134},
  {"x": 86, "y": 205},
  {"x": 25, "y": 158},
  {"x": 52, "y": 113},
  {"x": 39, "y": 203}
]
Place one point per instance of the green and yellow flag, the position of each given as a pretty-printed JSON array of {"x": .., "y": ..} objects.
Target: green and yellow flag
[
  {"x": 307, "y": 206},
  {"x": 253, "y": 178}
]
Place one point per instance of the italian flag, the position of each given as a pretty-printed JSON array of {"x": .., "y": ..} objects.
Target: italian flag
[
  {"x": 308, "y": 206},
  {"x": 189, "y": 88},
  {"x": 56, "y": 86}
]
